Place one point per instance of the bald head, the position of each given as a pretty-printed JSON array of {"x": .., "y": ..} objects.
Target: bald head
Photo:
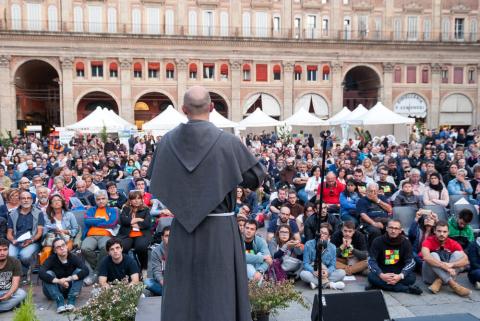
[{"x": 196, "y": 101}]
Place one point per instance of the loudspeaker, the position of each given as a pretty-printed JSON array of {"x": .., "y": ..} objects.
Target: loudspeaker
[
  {"x": 442, "y": 317},
  {"x": 353, "y": 306}
]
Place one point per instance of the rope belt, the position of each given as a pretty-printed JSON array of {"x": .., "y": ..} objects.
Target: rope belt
[{"x": 222, "y": 214}]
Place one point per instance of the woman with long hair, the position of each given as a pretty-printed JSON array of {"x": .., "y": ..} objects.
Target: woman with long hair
[
  {"x": 368, "y": 168},
  {"x": 135, "y": 223},
  {"x": 284, "y": 247},
  {"x": 240, "y": 199},
  {"x": 12, "y": 201},
  {"x": 348, "y": 202},
  {"x": 435, "y": 193},
  {"x": 313, "y": 181}
]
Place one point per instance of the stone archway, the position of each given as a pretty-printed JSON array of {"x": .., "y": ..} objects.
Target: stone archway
[
  {"x": 266, "y": 102},
  {"x": 149, "y": 105},
  {"x": 95, "y": 99},
  {"x": 219, "y": 103},
  {"x": 37, "y": 93},
  {"x": 361, "y": 85}
]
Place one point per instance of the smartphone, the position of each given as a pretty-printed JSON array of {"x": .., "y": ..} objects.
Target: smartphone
[{"x": 426, "y": 212}]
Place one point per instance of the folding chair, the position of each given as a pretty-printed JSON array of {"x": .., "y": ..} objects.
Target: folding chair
[{"x": 441, "y": 211}]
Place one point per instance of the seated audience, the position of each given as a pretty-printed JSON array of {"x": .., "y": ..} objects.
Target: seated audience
[
  {"x": 115, "y": 198},
  {"x": 460, "y": 186},
  {"x": 421, "y": 228},
  {"x": 435, "y": 192},
  {"x": 386, "y": 187},
  {"x": 257, "y": 256},
  {"x": 285, "y": 248},
  {"x": 11, "y": 295},
  {"x": 406, "y": 197},
  {"x": 84, "y": 196},
  {"x": 311, "y": 227},
  {"x": 351, "y": 249},
  {"x": 62, "y": 275},
  {"x": 116, "y": 265},
  {"x": 348, "y": 203},
  {"x": 473, "y": 252},
  {"x": 158, "y": 261},
  {"x": 283, "y": 218},
  {"x": 459, "y": 228}
]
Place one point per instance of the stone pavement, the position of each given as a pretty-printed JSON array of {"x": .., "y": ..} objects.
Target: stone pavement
[{"x": 399, "y": 304}]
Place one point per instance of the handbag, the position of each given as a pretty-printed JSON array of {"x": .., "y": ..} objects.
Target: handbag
[{"x": 291, "y": 264}]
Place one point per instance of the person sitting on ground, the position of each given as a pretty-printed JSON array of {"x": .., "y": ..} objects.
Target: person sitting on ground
[
  {"x": 283, "y": 218},
  {"x": 351, "y": 249},
  {"x": 331, "y": 277},
  {"x": 361, "y": 181},
  {"x": 348, "y": 203},
  {"x": 313, "y": 182},
  {"x": 452, "y": 174},
  {"x": 300, "y": 181},
  {"x": 288, "y": 173},
  {"x": 11, "y": 295},
  {"x": 116, "y": 265},
  {"x": 473, "y": 253},
  {"x": 277, "y": 203},
  {"x": 294, "y": 205},
  {"x": 435, "y": 193},
  {"x": 311, "y": 228},
  {"x": 406, "y": 197},
  {"x": 332, "y": 189},
  {"x": 115, "y": 198},
  {"x": 62, "y": 275},
  {"x": 459, "y": 228},
  {"x": 24, "y": 185},
  {"x": 460, "y": 186},
  {"x": 99, "y": 224},
  {"x": 59, "y": 223},
  {"x": 12, "y": 202},
  {"x": 135, "y": 226},
  {"x": 60, "y": 188},
  {"x": 421, "y": 228},
  {"x": 374, "y": 211},
  {"x": 5, "y": 181},
  {"x": 43, "y": 194},
  {"x": 443, "y": 260},
  {"x": 391, "y": 262},
  {"x": 257, "y": 256},
  {"x": 25, "y": 230},
  {"x": 158, "y": 262},
  {"x": 91, "y": 186},
  {"x": 386, "y": 187},
  {"x": 287, "y": 249},
  {"x": 475, "y": 182},
  {"x": 141, "y": 186}
]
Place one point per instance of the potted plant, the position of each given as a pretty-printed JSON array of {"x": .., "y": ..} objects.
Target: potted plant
[
  {"x": 117, "y": 302},
  {"x": 267, "y": 297}
]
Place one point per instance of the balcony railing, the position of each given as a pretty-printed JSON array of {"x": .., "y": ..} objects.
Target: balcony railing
[{"x": 144, "y": 29}]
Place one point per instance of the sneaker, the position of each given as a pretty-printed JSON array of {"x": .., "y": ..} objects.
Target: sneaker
[
  {"x": 459, "y": 290},
  {"x": 69, "y": 308},
  {"x": 477, "y": 285},
  {"x": 313, "y": 286},
  {"x": 436, "y": 286},
  {"x": 336, "y": 285},
  {"x": 61, "y": 309},
  {"x": 413, "y": 289}
]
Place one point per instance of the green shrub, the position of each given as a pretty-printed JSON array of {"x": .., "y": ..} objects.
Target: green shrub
[{"x": 26, "y": 311}]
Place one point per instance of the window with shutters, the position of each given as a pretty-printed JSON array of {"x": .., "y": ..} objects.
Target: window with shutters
[
  {"x": 347, "y": 28},
  {"x": 80, "y": 69},
  {"x": 458, "y": 75},
  {"x": 445, "y": 76},
  {"x": 193, "y": 71},
  {"x": 169, "y": 22},
  {"x": 95, "y": 16},
  {"x": 445, "y": 29},
  {"x": 113, "y": 70},
  {"x": 246, "y": 24},
  {"x": 34, "y": 16},
  {"x": 425, "y": 76},
  {"x": 378, "y": 28},
  {"x": 277, "y": 72},
  {"x": 276, "y": 24},
  {"x": 170, "y": 71},
  {"x": 246, "y": 72},
  {"x": 427, "y": 29},
  {"x": 298, "y": 27},
  {"x": 397, "y": 77},
  {"x": 137, "y": 70},
  {"x": 192, "y": 23},
  {"x": 153, "y": 70},
  {"x": 459, "y": 28},
  {"x": 326, "y": 72},
  {"x": 261, "y": 72},
  {"x": 311, "y": 26},
  {"x": 363, "y": 26},
  {"x": 208, "y": 71},
  {"x": 208, "y": 23},
  {"x": 97, "y": 69},
  {"x": 261, "y": 27},
  {"x": 112, "y": 20},
  {"x": 78, "y": 19},
  {"x": 412, "y": 29},
  {"x": 297, "y": 72},
  {"x": 52, "y": 18},
  {"x": 136, "y": 20},
  {"x": 325, "y": 27},
  {"x": 153, "y": 20},
  {"x": 311, "y": 73},
  {"x": 473, "y": 30},
  {"x": 224, "y": 24},
  {"x": 411, "y": 74},
  {"x": 397, "y": 29},
  {"x": 471, "y": 76},
  {"x": 16, "y": 17}
]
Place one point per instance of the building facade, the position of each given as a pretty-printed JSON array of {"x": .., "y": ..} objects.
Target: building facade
[{"x": 59, "y": 59}]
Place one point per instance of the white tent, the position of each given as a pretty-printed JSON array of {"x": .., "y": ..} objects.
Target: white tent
[
  {"x": 303, "y": 118},
  {"x": 166, "y": 120},
  {"x": 339, "y": 116},
  {"x": 381, "y": 115},
  {"x": 221, "y": 122},
  {"x": 355, "y": 115},
  {"x": 259, "y": 119},
  {"x": 98, "y": 119}
]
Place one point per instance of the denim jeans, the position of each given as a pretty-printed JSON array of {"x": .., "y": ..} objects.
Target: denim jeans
[
  {"x": 25, "y": 254},
  {"x": 14, "y": 301},
  {"x": 153, "y": 286},
  {"x": 401, "y": 286},
  {"x": 58, "y": 293}
]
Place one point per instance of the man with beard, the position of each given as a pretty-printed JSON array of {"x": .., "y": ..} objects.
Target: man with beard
[
  {"x": 391, "y": 262},
  {"x": 283, "y": 218},
  {"x": 10, "y": 272},
  {"x": 206, "y": 164},
  {"x": 288, "y": 173},
  {"x": 42, "y": 198},
  {"x": 310, "y": 226}
]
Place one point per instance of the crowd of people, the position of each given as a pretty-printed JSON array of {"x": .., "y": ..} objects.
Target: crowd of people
[{"x": 81, "y": 213}]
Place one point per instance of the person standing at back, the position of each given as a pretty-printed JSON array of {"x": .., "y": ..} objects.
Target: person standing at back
[{"x": 195, "y": 171}]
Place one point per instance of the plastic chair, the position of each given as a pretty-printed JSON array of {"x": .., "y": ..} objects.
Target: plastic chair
[
  {"x": 406, "y": 215},
  {"x": 454, "y": 199},
  {"x": 441, "y": 211}
]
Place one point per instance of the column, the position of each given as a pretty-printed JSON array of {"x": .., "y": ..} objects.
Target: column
[
  {"x": 235, "y": 18},
  {"x": 126, "y": 109},
  {"x": 437, "y": 20},
  {"x": 433, "y": 115},
  {"x": 387, "y": 98},
  {"x": 182, "y": 76},
  {"x": 287, "y": 110},
  {"x": 124, "y": 16},
  {"x": 235, "y": 111},
  {"x": 287, "y": 22},
  {"x": 67, "y": 108},
  {"x": 66, "y": 15},
  {"x": 336, "y": 20},
  {"x": 8, "y": 110},
  {"x": 337, "y": 90},
  {"x": 181, "y": 18}
]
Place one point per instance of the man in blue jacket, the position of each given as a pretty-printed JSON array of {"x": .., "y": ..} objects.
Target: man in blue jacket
[{"x": 258, "y": 256}]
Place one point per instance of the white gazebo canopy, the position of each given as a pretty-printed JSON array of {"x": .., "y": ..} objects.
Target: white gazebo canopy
[
  {"x": 355, "y": 115},
  {"x": 338, "y": 117},
  {"x": 381, "y": 115},
  {"x": 303, "y": 118},
  {"x": 166, "y": 120},
  {"x": 259, "y": 119},
  {"x": 100, "y": 118},
  {"x": 221, "y": 122}
]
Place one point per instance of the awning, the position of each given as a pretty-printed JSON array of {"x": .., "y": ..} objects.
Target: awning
[
  {"x": 312, "y": 68},
  {"x": 193, "y": 67},
  {"x": 246, "y": 67},
  {"x": 97, "y": 63},
  {"x": 209, "y": 65},
  {"x": 137, "y": 66},
  {"x": 298, "y": 69},
  {"x": 154, "y": 66},
  {"x": 79, "y": 66},
  {"x": 224, "y": 69},
  {"x": 326, "y": 69},
  {"x": 170, "y": 67},
  {"x": 113, "y": 66},
  {"x": 277, "y": 69}
]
